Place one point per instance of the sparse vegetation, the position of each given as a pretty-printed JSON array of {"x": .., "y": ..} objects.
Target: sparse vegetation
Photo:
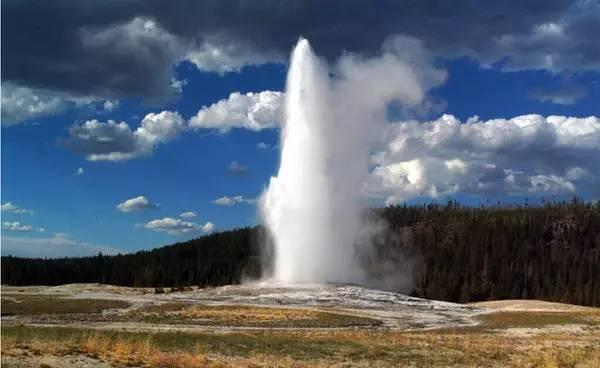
[
  {"x": 503, "y": 339},
  {"x": 41, "y": 304},
  {"x": 200, "y": 315},
  {"x": 348, "y": 348},
  {"x": 250, "y": 316},
  {"x": 537, "y": 319}
]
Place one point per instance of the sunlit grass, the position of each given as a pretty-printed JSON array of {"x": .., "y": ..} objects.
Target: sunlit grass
[
  {"x": 348, "y": 348},
  {"x": 486, "y": 345},
  {"x": 537, "y": 319}
]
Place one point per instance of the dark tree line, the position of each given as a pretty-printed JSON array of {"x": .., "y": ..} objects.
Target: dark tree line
[
  {"x": 549, "y": 252},
  {"x": 451, "y": 252},
  {"x": 217, "y": 259}
]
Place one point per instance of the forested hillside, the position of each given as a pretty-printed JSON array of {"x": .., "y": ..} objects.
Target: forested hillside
[
  {"x": 217, "y": 259},
  {"x": 453, "y": 253},
  {"x": 472, "y": 254}
]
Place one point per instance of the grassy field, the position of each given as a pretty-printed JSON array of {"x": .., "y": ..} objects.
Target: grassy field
[
  {"x": 540, "y": 339},
  {"x": 309, "y": 349},
  {"x": 23, "y": 304},
  {"x": 57, "y": 310},
  {"x": 246, "y": 316},
  {"x": 502, "y": 320}
]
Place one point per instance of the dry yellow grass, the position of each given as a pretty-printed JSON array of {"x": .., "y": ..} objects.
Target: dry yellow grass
[
  {"x": 119, "y": 351},
  {"x": 236, "y": 314},
  {"x": 227, "y": 313},
  {"x": 531, "y": 305},
  {"x": 485, "y": 346},
  {"x": 357, "y": 349},
  {"x": 255, "y": 316}
]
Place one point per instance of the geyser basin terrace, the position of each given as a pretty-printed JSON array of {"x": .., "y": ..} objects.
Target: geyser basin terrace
[{"x": 378, "y": 309}]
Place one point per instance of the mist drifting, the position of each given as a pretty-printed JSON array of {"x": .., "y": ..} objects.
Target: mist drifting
[{"x": 313, "y": 208}]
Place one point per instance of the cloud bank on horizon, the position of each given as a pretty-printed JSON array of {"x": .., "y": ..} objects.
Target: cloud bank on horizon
[{"x": 59, "y": 244}]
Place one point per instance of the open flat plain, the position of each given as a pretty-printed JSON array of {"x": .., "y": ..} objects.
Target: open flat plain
[{"x": 308, "y": 325}]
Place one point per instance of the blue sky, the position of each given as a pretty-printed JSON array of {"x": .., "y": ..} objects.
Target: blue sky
[{"x": 51, "y": 209}]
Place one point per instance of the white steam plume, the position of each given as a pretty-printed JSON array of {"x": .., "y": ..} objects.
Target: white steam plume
[{"x": 313, "y": 208}]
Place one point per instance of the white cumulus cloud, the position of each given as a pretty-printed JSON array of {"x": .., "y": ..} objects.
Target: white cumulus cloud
[
  {"x": 110, "y": 105},
  {"x": 230, "y": 201},
  {"x": 254, "y": 111},
  {"x": 236, "y": 168},
  {"x": 178, "y": 84},
  {"x": 525, "y": 155},
  {"x": 175, "y": 226},
  {"x": 20, "y": 104},
  {"x": 19, "y": 227},
  {"x": 220, "y": 56},
  {"x": 112, "y": 141},
  {"x": 187, "y": 214},
  {"x": 136, "y": 204},
  {"x": 12, "y": 208},
  {"x": 208, "y": 227}
]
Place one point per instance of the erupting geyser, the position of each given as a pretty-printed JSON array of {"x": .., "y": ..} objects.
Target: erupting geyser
[{"x": 311, "y": 208}]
